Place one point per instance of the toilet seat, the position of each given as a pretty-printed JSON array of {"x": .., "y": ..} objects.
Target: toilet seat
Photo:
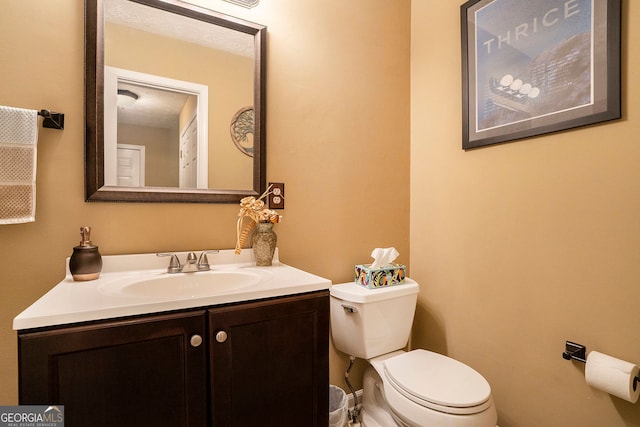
[{"x": 437, "y": 382}]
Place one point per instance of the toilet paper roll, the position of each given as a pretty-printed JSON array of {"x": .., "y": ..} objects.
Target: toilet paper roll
[{"x": 612, "y": 375}]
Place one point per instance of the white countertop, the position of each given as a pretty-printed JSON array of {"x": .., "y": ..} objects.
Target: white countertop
[{"x": 72, "y": 302}]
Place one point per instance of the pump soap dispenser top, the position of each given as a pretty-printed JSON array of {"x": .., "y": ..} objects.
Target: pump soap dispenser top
[{"x": 85, "y": 262}]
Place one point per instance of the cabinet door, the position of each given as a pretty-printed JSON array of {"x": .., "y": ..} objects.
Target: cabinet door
[
  {"x": 270, "y": 363},
  {"x": 139, "y": 372}
]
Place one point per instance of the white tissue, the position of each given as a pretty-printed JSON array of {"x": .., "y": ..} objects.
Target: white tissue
[
  {"x": 612, "y": 375},
  {"x": 382, "y": 257}
]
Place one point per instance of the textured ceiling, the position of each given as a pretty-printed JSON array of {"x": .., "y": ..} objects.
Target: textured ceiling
[
  {"x": 154, "y": 107},
  {"x": 168, "y": 24}
]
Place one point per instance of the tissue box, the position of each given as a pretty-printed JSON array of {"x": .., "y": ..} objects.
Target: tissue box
[{"x": 373, "y": 278}]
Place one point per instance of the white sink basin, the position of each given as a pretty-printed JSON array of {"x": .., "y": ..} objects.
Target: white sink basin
[{"x": 190, "y": 285}]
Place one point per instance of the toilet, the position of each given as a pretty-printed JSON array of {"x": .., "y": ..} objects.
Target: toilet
[{"x": 418, "y": 388}]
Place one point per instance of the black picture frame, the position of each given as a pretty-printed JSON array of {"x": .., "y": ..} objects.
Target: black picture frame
[{"x": 531, "y": 67}]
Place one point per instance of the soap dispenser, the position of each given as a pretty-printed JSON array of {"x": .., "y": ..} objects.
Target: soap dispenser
[{"x": 86, "y": 262}]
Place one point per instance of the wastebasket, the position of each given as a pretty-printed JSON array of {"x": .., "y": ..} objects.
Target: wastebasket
[{"x": 337, "y": 407}]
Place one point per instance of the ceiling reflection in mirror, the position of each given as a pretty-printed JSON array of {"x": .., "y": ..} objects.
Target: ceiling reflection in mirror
[{"x": 175, "y": 79}]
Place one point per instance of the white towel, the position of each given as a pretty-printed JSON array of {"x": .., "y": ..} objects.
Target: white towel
[{"x": 18, "y": 144}]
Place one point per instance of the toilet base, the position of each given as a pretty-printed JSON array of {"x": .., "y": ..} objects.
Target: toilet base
[{"x": 375, "y": 410}]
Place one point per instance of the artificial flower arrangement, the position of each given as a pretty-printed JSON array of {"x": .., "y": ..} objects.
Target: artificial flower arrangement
[{"x": 254, "y": 210}]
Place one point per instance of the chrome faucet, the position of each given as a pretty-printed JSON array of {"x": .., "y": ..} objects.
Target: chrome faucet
[
  {"x": 199, "y": 263},
  {"x": 191, "y": 260}
]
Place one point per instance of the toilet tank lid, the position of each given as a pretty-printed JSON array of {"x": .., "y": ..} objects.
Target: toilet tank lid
[{"x": 357, "y": 293}]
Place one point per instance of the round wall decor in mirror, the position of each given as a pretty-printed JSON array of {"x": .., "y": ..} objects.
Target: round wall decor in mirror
[{"x": 241, "y": 128}]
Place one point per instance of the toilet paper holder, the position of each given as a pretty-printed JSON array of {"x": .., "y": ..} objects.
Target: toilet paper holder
[{"x": 575, "y": 351}]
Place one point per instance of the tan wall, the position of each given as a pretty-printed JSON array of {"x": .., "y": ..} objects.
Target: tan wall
[
  {"x": 522, "y": 246},
  {"x": 338, "y": 136}
]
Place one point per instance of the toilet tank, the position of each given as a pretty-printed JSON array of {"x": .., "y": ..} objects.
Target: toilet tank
[{"x": 371, "y": 322}]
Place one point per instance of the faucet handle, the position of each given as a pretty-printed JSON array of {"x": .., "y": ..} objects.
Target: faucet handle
[
  {"x": 174, "y": 262},
  {"x": 203, "y": 261}
]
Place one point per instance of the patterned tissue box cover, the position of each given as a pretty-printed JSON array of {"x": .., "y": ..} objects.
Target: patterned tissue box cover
[{"x": 379, "y": 277}]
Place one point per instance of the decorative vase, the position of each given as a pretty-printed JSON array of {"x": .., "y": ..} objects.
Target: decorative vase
[{"x": 264, "y": 244}]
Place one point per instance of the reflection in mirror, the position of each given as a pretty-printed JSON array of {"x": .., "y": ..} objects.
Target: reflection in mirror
[
  {"x": 168, "y": 119},
  {"x": 160, "y": 134},
  {"x": 156, "y": 132},
  {"x": 179, "y": 85}
]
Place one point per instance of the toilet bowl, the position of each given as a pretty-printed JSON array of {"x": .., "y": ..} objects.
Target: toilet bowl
[
  {"x": 418, "y": 388},
  {"x": 422, "y": 388}
]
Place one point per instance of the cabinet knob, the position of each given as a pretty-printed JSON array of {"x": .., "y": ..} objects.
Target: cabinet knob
[
  {"x": 196, "y": 340},
  {"x": 221, "y": 336}
]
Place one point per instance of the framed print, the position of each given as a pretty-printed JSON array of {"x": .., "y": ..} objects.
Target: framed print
[{"x": 531, "y": 67}]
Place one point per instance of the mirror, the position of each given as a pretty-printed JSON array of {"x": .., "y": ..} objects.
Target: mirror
[{"x": 175, "y": 103}]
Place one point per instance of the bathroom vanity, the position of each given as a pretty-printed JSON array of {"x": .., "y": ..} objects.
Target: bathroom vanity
[{"x": 255, "y": 355}]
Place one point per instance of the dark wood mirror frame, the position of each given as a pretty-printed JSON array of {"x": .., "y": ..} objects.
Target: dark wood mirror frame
[{"x": 95, "y": 190}]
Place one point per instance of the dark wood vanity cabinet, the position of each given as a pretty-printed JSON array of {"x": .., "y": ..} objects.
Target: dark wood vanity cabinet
[
  {"x": 256, "y": 364},
  {"x": 269, "y": 363}
]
